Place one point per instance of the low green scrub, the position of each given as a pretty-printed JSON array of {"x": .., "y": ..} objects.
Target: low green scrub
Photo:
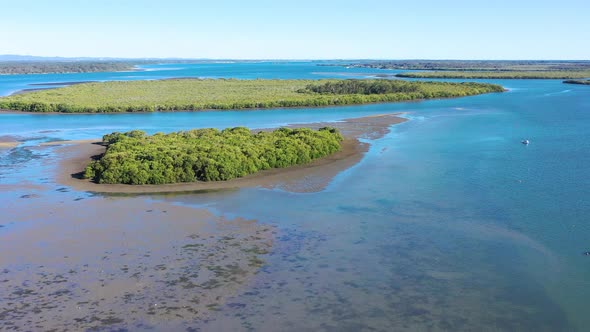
[
  {"x": 363, "y": 87},
  {"x": 206, "y": 154},
  {"x": 554, "y": 74},
  {"x": 226, "y": 94}
]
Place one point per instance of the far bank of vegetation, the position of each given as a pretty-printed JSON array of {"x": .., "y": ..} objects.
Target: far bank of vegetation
[
  {"x": 555, "y": 74},
  {"x": 206, "y": 154},
  {"x": 226, "y": 94},
  {"x": 582, "y": 82},
  {"x": 52, "y": 67},
  {"x": 474, "y": 65}
]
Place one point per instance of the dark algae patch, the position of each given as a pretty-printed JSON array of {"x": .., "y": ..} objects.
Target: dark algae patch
[
  {"x": 581, "y": 82},
  {"x": 228, "y": 94},
  {"x": 206, "y": 154}
]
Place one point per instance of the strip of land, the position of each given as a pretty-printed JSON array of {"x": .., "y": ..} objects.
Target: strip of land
[
  {"x": 231, "y": 94},
  {"x": 303, "y": 178},
  {"x": 482, "y": 69},
  {"x": 37, "y": 67},
  {"x": 555, "y": 74},
  {"x": 473, "y": 65}
]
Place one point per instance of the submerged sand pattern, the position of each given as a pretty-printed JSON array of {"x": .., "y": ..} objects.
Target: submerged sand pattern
[{"x": 105, "y": 263}]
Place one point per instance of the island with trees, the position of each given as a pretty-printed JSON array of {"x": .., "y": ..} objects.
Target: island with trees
[
  {"x": 226, "y": 94},
  {"x": 206, "y": 154}
]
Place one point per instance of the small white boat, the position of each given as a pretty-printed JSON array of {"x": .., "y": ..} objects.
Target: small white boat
[{"x": 525, "y": 142}]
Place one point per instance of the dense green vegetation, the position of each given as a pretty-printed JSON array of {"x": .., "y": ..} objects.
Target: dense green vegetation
[
  {"x": 556, "y": 74},
  {"x": 475, "y": 65},
  {"x": 363, "y": 87},
  {"x": 197, "y": 94},
  {"x": 582, "y": 82},
  {"x": 206, "y": 154},
  {"x": 36, "y": 67}
]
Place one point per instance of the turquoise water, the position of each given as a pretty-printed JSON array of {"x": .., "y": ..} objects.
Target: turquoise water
[
  {"x": 448, "y": 223},
  {"x": 241, "y": 70}
]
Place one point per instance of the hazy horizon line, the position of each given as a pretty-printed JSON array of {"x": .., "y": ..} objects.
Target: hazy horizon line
[{"x": 269, "y": 59}]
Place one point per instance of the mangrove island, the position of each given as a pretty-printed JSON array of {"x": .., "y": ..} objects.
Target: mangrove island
[{"x": 206, "y": 154}]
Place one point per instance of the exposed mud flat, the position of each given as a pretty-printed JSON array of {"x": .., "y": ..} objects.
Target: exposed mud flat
[{"x": 112, "y": 263}]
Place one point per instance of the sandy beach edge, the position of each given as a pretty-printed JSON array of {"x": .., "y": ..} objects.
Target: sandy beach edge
[{"x": 311, "y": 177}]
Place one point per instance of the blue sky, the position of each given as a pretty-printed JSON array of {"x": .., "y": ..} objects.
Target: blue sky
[{"x": 303, "y": 29}]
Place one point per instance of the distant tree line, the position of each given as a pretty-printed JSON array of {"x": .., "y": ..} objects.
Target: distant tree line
[
  {"x": 19, "y": 68},
  {"x": 554, "y": 74},
  {"x": 206, "y": 154},
  {"x": 473, "y": 65}
]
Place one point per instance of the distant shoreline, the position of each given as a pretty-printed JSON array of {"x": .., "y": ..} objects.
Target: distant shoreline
[
  {"x": 40, "y": 67},
  {"x": 303, "y": 178},
  {"x": 503, "y": 75}
]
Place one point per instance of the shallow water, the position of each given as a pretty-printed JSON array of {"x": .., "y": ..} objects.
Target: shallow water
[{"x": 448, "y": 223}]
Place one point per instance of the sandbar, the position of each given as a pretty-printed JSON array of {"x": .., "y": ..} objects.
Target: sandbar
[
  {"x": 8, "y": 142},
  {"x": 8, "y": 145}
]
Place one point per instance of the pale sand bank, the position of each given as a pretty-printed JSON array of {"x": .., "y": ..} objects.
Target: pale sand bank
[
  {"x": 8, "y": 142},
  {"x": 8, "y": 145}
]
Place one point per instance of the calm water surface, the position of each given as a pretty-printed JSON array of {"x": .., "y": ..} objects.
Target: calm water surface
[{"x": 448, "y": 223}]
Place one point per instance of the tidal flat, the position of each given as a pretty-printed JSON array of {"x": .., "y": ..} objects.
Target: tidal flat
[{"x": 98, "y": 262}]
